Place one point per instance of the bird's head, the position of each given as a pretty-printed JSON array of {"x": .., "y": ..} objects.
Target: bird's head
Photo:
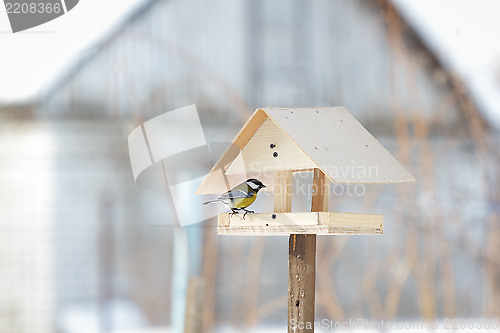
[{"x": 255, "y": 184}]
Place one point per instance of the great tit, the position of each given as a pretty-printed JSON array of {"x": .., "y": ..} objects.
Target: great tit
[{"x": 241, "y": 196}]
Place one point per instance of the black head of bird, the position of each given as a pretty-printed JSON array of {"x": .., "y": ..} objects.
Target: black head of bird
[{"x": 255, "y": 184}]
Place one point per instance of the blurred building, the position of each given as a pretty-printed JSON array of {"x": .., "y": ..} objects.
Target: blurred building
[{"x": 81, "y": 237}]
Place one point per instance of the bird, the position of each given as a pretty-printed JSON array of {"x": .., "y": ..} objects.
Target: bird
[{"x": 241, "y": 196}]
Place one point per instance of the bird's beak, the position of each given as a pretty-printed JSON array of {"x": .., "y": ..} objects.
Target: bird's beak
[{"x": 263, "y": 186}]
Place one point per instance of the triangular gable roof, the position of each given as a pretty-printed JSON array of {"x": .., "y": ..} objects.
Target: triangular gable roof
[{"x": 331, "y": 138}]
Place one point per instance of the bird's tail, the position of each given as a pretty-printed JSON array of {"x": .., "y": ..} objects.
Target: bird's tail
[{"x": 210, "y": 201}]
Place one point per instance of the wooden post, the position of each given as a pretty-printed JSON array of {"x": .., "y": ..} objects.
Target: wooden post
[
  {"x": 321, "y": 190},
  {"x": 302, "y": 265},
  {"x": 283, "y": 191}
]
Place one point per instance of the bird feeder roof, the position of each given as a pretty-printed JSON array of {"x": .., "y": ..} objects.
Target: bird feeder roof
[{"x": 302, "y": 139}]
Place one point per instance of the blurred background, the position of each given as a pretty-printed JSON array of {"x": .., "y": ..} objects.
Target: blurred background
[{"x": 83, "y": 249}]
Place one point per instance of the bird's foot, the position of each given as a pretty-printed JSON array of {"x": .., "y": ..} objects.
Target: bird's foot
[{"x": 246, "y": 212}]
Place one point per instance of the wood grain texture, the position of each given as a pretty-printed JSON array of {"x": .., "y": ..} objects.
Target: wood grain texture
[
  {"x": 283, "y": 191},
  {"x": 302, "y": 263},
  {"x": 320, "y": 194},
  {"x": 331, "y": 137},
  {"x": 215, "y": 182},
  {"x": 301, "y": 282},
  {"x": 258, "y": 156},
  {"x": 339, "y": 145},
  {"x": 319, "y": 223}
]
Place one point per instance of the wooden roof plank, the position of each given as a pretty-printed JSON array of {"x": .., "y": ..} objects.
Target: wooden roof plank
[
  {"x": 332, "y": 139},
  {"x": 339, "y": 145},
  {"x": 258, "y": 156},
  {"x": 215, "y": 182}
]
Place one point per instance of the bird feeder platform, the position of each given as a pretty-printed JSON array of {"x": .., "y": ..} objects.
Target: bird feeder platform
[{"x": 319, "y": 223}]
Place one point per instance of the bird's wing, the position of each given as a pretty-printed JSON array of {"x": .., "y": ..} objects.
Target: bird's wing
[{"x": 235, "y": 194}]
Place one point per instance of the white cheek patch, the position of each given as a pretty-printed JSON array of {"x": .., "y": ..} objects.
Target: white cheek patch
[{"x": 252, "y": 185}]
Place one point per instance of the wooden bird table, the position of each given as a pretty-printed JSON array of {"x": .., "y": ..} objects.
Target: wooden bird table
[{"x": 337, "y": 148}]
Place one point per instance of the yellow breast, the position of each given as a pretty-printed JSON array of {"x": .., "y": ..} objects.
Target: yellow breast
[{"x": 244, "y": 202}]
